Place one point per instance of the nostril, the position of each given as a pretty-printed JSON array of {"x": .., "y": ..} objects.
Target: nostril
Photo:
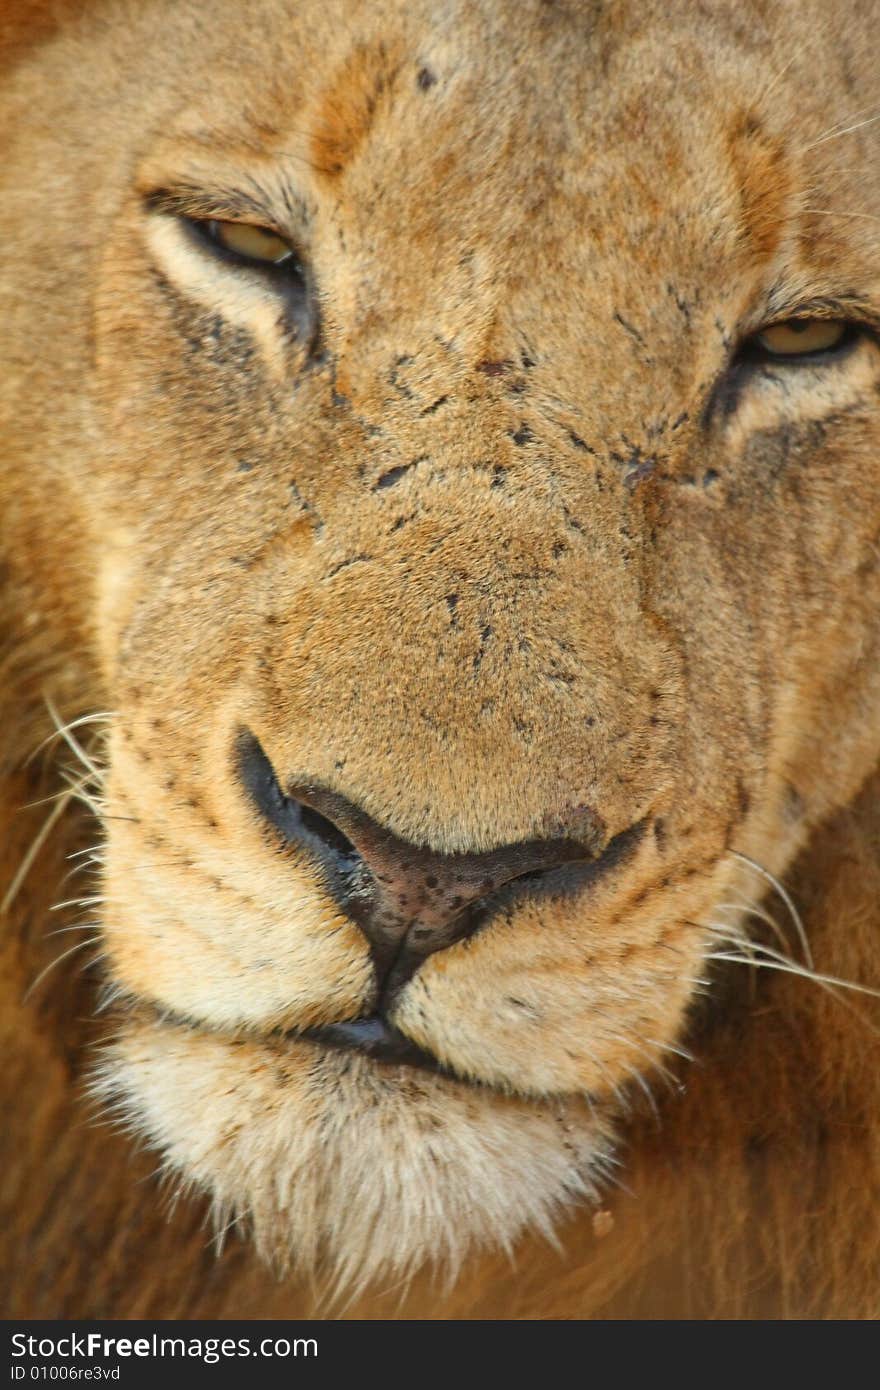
[
  {"x": 297, "y": 821},
  {"x": 258, "y": 778},
  {"x": 531, "y": 874},
  {"x": 324, "y": 830}
]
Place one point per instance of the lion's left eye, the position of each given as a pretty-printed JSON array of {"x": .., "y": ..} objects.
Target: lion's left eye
[
  {"x": 795, "y": 338},
  {"x": 248, "y": 241}
]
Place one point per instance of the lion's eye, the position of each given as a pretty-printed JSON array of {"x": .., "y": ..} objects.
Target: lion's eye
[
  {"x": 802, "y": 337},
  {"x": 248, "y": 242}
]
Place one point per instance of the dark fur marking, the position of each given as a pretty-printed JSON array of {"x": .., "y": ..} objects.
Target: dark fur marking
[
  {"x": 394, "y": 475},
  {"x": 305, "y": 505},
  {"x": 794, "y": 805},
  {"x": 628, "y": 328},
  {"x": 485, "y": 634},
  {"x": 681, "y": 304},
  {"x": 394, "y": 376},
  {"x": 581, "y": 444},
  {"x": 639, "y": 472},
  {"x": 344, "y": 564},
  {"x": 725, "y": 393},
  {"x": 743, "y": 797},
  {"x": 636, "y": 465}
]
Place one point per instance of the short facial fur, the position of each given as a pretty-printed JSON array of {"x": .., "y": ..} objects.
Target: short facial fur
[{"x": 502, "y": 532}]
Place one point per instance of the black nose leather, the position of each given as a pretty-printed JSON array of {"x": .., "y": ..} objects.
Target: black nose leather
[{"x": 408, "y": 901}]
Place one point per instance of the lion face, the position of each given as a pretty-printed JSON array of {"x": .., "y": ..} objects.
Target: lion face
[{"x": 476, "y": 540}]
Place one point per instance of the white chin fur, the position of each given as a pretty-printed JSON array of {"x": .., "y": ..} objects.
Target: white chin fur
[{"x": 346, "y": 1170}]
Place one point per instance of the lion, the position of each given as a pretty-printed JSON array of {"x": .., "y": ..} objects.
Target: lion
[{"x": 441, "y": 658}]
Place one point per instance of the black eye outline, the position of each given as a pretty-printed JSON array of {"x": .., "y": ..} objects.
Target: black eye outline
[
  {"x": 749, "y": 361},
  {"x": 289, "y": 278},
  {"x": 752, "y": 351},
  {"x": 290, "y": 268}
]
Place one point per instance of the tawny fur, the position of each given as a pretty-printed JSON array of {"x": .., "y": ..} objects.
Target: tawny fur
[{"x": 515, "y": 541}]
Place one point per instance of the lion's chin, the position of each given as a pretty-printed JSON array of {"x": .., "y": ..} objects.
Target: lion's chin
[{"x": 345, "y": 1169}]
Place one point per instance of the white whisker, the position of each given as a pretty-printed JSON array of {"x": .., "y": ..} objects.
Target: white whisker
[
  {"x": 839, "y": 130},
  {"x": 64, "y": 731},
  {"x": 80, "y": 945},
  {"x": 33, "y": 850},
  {"x": 84, "y": 926},
  {"x": 671, "y": 1047},
  {"x": 90, "y": 901},
  {"x": 775, "y": 960},
  {"x": 59, "y": 732},
  {"x": 746, "y": 909},
  {"x": 830, "y": 212},
  {"x": 786, "y": 898},
  {"x": 799, "y": 52}
]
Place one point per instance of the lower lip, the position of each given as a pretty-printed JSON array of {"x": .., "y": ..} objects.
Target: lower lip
[{"x": 376, "y": 1039}]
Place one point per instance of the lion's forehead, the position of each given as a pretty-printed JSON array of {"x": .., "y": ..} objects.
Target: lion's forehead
[{"x": 443, "y": 161}]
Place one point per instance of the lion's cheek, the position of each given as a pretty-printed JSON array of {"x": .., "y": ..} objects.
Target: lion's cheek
[
  {"x": 204, "y": 955},
  {"x": 553, "y": 1016}
]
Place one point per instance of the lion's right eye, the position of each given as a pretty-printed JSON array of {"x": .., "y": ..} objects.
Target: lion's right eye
[
  {"x": 247, "y": 241},
  {"x": 794, "y": 338}
]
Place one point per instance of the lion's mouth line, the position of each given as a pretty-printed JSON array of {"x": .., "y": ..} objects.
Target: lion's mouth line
[
  {"x": 381, "y": 1042},
  {"x": 371, "y": 1037},
  {"x": 376, "y": 1038}
]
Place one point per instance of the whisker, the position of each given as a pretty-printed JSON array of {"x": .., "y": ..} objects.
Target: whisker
[
  {"x": 742, "y": 950},
  {"x": 671, "y": 1047},
  {"x": 73, "y": 744},
  {"x": 748, "y": 910},
  {"x": 775, "y": 80},
  {"x": 80, "y": 945},
  {"x": 775, "y": 960},
  {"x": 84, "y": 926},
  {"x": 786, "y": 898},
  {"x": 827, "y": 982},
  {"x": 59, "y": 732},
  {"x": 80, "y": 793},
  {"x": 832, "y": 212},
  {"x": 839, "y": 130},
  {"x": 33, "y": 850},
  {"x": 91, "y": 901},
  {"x": 643, "y": 1086},
  {"x": 89, "y": 849},
  {"x": 65, "y": 791}
]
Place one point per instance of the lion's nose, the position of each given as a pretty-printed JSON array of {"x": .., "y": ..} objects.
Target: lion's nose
[{"x": 408, "y": 901}]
